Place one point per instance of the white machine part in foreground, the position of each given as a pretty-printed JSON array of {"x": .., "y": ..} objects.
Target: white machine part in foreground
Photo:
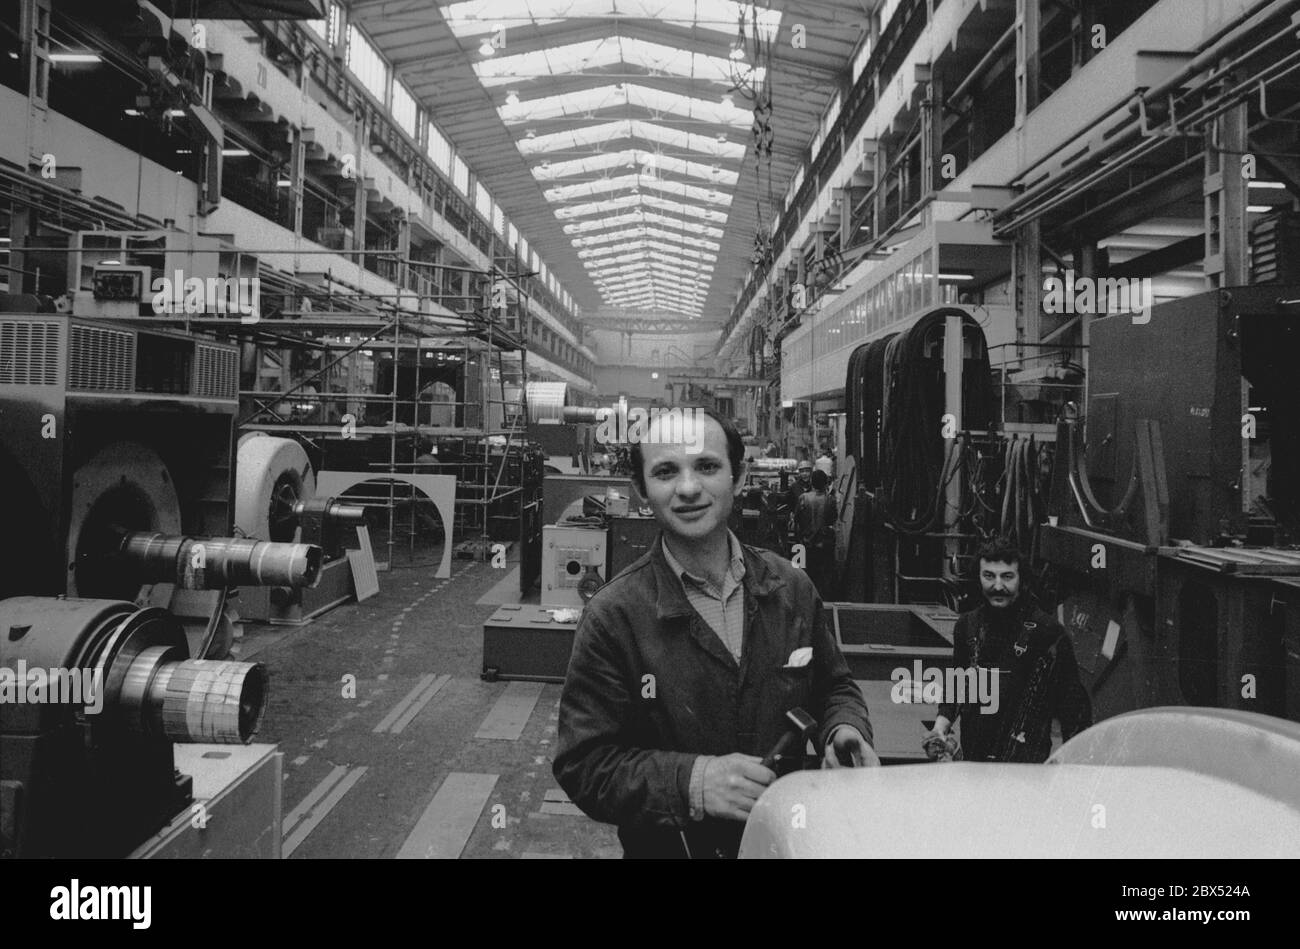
[{"x": 1163, "y": 783}]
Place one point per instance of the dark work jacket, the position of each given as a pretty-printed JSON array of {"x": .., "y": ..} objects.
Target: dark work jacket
[
  {"x": 1062, "y": 697},
  {"x": 650, "y": 687}
]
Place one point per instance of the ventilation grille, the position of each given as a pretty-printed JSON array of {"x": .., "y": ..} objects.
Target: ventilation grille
[
  {"x": 101, "y": 360},
  {"x": 29, "y": 353},
  {"x": 217, "y": 373}
]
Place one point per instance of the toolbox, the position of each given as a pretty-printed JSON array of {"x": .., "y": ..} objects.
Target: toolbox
[{"x": 521, "y": 641}]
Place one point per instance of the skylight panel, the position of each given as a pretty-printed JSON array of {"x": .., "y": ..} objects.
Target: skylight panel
[
  {"x": 643, "y": 244},
  {"x": 574, "y": 58},
  {"x": 644, "y": 290},
  {"x": 638, "y": 180},
  {"x": 472, "y": 18},
  {"x": 656, "y": 101},
  {"x": 639, "y": 200},
  {"x": 637, "y": 217},
  {"x": 655, "y": 232},
  {"x": 631, "y": 282},
  {"x": 623, "y": 258},
  {"x": 633, "y": 158},
  {"x": 648, "y": 267},
  {"x": 648, "y": 295},
  {"x": 664, "y": 292},
  {"x": 589, "y": 135},
  {"x": 676, "y": 261}
]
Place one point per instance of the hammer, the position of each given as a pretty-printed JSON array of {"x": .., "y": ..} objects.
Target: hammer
[{"x": 801, "y": 726}]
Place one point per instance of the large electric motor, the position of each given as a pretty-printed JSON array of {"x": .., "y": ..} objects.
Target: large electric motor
[{"x": 93, "y": 693}]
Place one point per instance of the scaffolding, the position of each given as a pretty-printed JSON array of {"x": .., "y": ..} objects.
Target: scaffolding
[{"x": 327, "y": 330}]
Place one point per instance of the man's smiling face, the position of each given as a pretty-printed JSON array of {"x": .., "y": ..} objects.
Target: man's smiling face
[{"x": 690, "y": 492}]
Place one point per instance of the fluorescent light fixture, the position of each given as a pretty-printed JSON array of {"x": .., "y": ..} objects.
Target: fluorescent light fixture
[
  {"x": 132, "y": 112},
  {"x": 176, "y": 113},
  {"x": 74, "y": 57},
  {"x": 787, "y": 403},
  {"x": 235, "y": 152},
  {"x": 5, "y": 240},
  {"x": 1266, "y": 184},
  {"x": 1259, "y": 208},
  {"x": 284, "y": 183},
  {"x": 956, "y": 276},
  {"x": 110, "y": 263}
]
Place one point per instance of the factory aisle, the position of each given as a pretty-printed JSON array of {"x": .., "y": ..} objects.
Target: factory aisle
[{"x": 394, "y": 747}]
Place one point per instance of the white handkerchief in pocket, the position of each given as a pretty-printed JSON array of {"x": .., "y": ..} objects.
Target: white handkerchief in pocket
[{"x": 799, "y": 658}]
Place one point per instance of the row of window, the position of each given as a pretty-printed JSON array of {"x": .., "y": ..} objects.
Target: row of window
[
  {"x": 373, "y": 72},
  {"x": 854, "y": 318}
]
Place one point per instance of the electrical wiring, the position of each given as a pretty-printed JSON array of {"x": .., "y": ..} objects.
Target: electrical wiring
[{"x": 916, "y": 461}]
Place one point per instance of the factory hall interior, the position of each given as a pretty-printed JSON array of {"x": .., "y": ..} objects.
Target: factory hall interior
[{"x": 602, "y": 429}]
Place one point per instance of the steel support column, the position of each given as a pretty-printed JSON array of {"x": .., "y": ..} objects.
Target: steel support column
[
  {"x": 1028, "y": 283},
  {"x": 931, "y": 136},
  {"x": 1028, "y": 22},
  {"x": 1225, "y": 200}
]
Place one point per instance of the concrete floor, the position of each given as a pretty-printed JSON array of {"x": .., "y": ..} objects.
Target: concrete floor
[{"x": 401, "y": 769}]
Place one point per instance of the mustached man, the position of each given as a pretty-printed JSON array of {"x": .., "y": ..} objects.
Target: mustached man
[{"x": 1032, "y": 658}]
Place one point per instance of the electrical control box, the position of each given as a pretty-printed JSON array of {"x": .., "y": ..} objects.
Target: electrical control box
[{"x": 572, "y": 558}]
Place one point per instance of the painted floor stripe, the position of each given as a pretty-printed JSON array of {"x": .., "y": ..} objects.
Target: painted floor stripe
[
  {"x": 401, "y": 706},
  {"x": 420, "y": 703},
  {"x": 534, "y": 855},
  {"x": 511, "y": 712},
  {"x": 316, "y": 793},
  {"x": 446, "y": 824},
  {"x": 292, "y": 842}
]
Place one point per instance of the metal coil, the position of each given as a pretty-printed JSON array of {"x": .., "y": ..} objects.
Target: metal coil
[
  {"x": 206, "y": 563},
  {"x": 193, "y": 700}
]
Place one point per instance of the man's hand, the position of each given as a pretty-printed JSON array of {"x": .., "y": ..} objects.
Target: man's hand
[
  {"x": 941, "y": 744},
  {"x": 732, "y": 783},
  {"x": 847, "y": 748}
]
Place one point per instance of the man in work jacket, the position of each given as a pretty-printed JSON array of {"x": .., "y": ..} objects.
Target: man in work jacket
[
  {"x": 1027, "y": 659},
  {"x": 684, "y": 666}
]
